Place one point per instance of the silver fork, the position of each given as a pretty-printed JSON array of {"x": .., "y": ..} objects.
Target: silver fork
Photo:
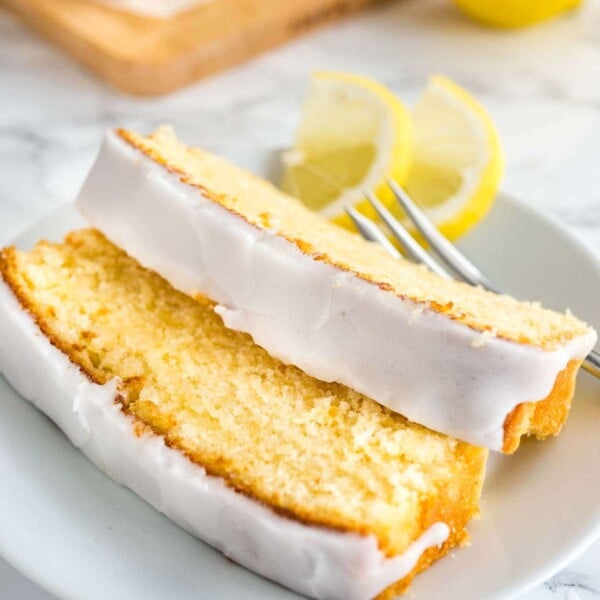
[{"x": 450, "y": 263}]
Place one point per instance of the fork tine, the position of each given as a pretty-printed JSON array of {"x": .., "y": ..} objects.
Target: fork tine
[
  {"x": 442, "y": 247},
  {"x": 412, "y": 247},
  {"x": 370, "y": 231}
]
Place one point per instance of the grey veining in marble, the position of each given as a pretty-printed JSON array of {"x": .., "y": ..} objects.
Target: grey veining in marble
[{"x": 541, "y": 85}]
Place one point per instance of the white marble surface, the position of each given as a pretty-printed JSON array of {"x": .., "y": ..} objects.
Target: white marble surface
[{"x": 541, "y": 85}]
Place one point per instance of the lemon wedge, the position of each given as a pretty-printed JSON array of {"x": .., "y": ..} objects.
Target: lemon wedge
[
  {"x": 457, "y": 160},
  {"x": 514, "y": 13},
  {"x": 354, "y": 133}
]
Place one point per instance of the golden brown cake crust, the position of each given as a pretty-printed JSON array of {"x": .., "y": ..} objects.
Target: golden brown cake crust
[
  {"x": 545, "y": 417},
  {"x": 457, "y": 538},
  {"x": 8, "y": 271}
]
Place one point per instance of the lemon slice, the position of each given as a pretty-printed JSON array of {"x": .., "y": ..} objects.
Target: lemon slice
[
  {"x": 514, "y": 13},
  {"x": 457, "y": 158},
  {"x": 354, "y": 133}
]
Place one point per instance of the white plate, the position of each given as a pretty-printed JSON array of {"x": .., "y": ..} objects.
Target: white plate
[{"x": 77, "y": 534}]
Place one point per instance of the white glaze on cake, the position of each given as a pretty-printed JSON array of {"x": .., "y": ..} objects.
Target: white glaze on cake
[
  {"x": 162, "y": 9},
  {"x": 317, "y": 562},
  {"x": 330, "y": 323}
]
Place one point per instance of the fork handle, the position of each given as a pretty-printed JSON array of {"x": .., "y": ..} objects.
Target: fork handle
[{"x": 592, "y": 363}]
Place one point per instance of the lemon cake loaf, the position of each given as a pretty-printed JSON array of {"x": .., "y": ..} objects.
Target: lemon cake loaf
[
  {"x": 480, "y": 367},
  {"x": 308, "y": 483}
]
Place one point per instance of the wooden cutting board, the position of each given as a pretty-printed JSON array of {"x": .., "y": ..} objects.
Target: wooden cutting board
[{"x": 147, "y": 56}]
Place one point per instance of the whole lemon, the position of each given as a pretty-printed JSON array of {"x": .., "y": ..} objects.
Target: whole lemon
[{"x": 514, "y": 13}]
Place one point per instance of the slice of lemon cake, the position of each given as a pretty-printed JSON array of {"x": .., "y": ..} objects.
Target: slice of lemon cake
[
  {"x": 308, "y": 483},
  {"x": 475, "y": 365}
]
